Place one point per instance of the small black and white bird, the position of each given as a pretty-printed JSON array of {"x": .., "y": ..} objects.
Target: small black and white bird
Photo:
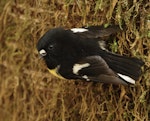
[{"x": 80, "y": 53}]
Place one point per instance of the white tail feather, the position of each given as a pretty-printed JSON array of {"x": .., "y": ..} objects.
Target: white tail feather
[{"x": 127, "y": 78}]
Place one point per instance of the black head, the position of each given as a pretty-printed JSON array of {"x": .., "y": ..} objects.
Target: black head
[{"x": 57, "y": 45}]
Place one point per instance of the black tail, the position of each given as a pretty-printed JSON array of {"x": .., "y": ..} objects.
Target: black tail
[{"x": 123, "y": 65}]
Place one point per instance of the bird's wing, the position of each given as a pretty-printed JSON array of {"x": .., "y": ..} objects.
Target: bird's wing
[
  {"x": 94, "y": 68},
  {"x": 96, "y": 31},
  {"x": 123, "y": 65}
]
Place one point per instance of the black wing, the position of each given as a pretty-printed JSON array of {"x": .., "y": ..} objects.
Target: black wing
[
  {"x": 94, "y": 68},
  {"x": 96, "y": 31},
  {"x": 123, "y": 65}
]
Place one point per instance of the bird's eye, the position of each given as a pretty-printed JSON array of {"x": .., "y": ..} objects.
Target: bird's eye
[{"x": 51, "y": 47}]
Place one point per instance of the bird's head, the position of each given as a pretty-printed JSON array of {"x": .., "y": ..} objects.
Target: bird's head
[{"x": 57, "y": 45}]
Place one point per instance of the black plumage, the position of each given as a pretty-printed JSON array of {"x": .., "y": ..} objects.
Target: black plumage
[{"x": 81, "y": 54}]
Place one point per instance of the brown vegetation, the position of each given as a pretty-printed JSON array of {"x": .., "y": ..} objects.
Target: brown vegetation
[{"x": 29, "y": 93}]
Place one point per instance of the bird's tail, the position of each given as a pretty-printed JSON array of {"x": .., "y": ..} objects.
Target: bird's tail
[{"x": 127, "y": 68}]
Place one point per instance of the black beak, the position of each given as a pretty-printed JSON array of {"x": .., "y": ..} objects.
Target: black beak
[{"x": 40, "y": 56}]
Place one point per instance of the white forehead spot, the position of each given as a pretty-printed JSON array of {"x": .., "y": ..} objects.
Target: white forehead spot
[
  {"x": 78, "y": 67},
  {"x": 75, "y": 30},
  {"x": 42, "y": 52},
  {"x": 127, "y": 78},
  {"x": 86, "y": 77}
]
